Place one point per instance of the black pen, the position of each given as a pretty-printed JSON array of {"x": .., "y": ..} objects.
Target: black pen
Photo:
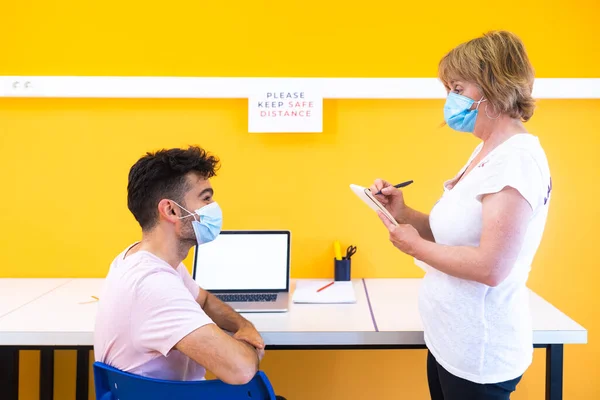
[{"x": 398, "y": 186}]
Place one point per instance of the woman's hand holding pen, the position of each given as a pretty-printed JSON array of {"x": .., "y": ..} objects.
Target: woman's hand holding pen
[{"x": 391, "y": 198}]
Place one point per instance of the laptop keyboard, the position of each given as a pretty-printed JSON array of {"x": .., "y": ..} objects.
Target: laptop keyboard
[{"x": 247, "y": 297}]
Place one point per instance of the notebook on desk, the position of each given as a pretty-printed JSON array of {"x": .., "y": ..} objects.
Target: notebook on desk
[{"x": 338, "y": 293}]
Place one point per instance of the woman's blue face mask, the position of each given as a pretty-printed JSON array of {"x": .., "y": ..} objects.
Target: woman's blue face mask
[{"x": 458, "y": 114}]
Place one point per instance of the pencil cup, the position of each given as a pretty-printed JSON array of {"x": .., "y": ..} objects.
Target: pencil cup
[{"x": 342, "y": 270}]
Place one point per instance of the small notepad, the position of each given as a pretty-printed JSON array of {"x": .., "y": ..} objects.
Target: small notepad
[
  {"x": 369, "y": 199},
  {"x": 339, "y": 292}
]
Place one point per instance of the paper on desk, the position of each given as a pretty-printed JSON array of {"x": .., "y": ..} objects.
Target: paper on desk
[{"x": 339, "y": 292}]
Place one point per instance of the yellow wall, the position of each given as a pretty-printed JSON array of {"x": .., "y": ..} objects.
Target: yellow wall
[{"x": 64, "y": 162}]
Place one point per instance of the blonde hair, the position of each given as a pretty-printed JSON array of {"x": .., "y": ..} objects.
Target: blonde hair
[{"x": 498, "y": 63}]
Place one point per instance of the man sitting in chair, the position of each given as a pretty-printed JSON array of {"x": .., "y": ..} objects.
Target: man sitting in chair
[{"x": 153, "y": 319}]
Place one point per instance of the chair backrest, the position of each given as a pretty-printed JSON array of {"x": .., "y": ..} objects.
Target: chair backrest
[{"x": 112, "y": 384}]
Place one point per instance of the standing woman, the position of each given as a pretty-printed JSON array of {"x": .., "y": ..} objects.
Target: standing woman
[{"x": 478, "y": 242}]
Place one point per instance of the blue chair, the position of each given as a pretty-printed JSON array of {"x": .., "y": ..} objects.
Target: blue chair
[{"x": 113, "y": 384}]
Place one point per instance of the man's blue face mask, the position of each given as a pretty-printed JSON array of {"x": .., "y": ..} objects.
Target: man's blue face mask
[
  {"x": 458, "y": 114},
  {"x": 209, "y": 226}
]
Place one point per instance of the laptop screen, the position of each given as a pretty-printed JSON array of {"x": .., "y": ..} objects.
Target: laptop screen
[{"x": 244, "y": 261}]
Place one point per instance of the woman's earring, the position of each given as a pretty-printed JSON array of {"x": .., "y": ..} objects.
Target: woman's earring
[{"x": 488, "y": 115}]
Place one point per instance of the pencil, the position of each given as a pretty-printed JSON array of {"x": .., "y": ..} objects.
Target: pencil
[{"x": 325, "y": 287}]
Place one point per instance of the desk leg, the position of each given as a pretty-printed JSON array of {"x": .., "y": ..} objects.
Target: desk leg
[
  {"x": 47, "y": 374},
  {"x": 554, "y": 372},
  {"x": 9, "y": 373},
  {"x": 83, "y": 369}
]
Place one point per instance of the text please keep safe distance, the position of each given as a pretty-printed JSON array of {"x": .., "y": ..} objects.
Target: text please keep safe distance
[{"x": 285, "y": 104}]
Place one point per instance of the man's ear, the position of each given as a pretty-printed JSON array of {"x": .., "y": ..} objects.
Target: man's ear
[{"x": 168, "y": 210}]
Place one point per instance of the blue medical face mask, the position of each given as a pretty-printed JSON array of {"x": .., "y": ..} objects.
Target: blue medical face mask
[
  {"x": 458, "y": 113},
  {"x": 209, "y": 226}
]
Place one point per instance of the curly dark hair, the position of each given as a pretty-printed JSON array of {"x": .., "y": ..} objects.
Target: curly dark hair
[{"x": 162, "y": 174}]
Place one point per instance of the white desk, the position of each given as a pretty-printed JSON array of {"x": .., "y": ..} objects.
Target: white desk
[
  {"x": 64, "y": 318},
  {"x": 313, "y": 325},
  {"x": 60, "y": 319},
  {"x": 16, "y": 292},
  {"x": 55, "y": 319},
  {"x": 385, "y": 316},
  {"x": 395, "y": 307},
  {"x": 394, "y": 303}
]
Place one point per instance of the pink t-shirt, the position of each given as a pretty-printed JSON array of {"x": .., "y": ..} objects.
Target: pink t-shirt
[{"x": 145, "y": 308}]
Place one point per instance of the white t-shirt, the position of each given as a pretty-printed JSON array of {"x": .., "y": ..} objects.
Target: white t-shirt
[
  {"x": 145, "y": 308},
  {"x": 479, "y": 333}
]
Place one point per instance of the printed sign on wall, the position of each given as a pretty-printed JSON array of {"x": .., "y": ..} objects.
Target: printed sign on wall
[{"x": 281, "y": 110}]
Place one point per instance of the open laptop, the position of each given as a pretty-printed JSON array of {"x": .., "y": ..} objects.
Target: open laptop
[{"x": 249, "y": 270}]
